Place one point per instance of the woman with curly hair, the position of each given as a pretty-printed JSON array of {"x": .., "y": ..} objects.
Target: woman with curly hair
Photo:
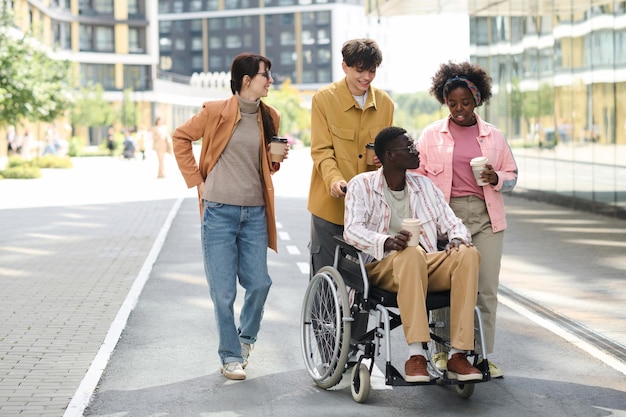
[{"x": 446, "y": 148}]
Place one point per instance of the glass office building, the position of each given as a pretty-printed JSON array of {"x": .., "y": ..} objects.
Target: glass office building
[{"x": 559, "y": 77}]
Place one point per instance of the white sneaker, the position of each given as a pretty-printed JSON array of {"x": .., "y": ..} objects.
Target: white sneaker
[
  {"x": 234, "y": 370},
  {"x": 246, "y": 348},
  {"x": 441, "y": 360}
]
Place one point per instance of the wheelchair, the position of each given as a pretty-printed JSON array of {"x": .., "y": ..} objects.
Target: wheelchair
[{"x": 336, "y": 334}]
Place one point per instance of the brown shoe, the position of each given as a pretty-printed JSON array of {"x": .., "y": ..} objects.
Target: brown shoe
[
  {"x": 415, "y": 369},
  {"x": 460, "y": 369}
]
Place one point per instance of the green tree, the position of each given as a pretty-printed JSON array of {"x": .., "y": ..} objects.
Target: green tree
[
  {"x": 295, "y": 120},
  {"x": 33, "y": 85},
  {"x": 91, "y": 109},
  {"x": 128, "y": 110}
]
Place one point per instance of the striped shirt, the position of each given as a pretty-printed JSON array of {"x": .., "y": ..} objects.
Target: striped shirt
[{"x": 367, "y": 213}]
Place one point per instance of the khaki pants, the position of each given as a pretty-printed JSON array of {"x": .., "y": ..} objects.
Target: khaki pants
[
  {"x": 412, "y": 273},
  {"x": 473, "y": 212}
]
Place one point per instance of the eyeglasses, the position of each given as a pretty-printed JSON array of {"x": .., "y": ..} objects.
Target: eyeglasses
[
  {"x": 267, "y": 74},
  {"x": 410, "y": 147}
]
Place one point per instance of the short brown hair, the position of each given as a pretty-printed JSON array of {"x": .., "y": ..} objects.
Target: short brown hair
[{"x": 362, "y": 54}]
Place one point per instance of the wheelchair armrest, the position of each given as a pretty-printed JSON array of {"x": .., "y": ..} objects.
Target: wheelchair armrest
[{"x": 346, "y": 247}]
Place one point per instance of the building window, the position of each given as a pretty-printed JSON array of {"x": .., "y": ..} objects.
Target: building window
[
  {"x": 180, "y": 45},
  {"x": 197, "y": 64},
  {"x": 287, "y": 19},
  {"x": 287, "y": 58},
  {"x": 96, "y": 38},
  {"x": 323, "y": 75},
  {"x": 165, "y": 63},
  {"x": 215, "y": 63},
  {"x": 136, "y": 41},
  {"x": 287, "y": 38},
  {"x": 308, "y": 77},
  {"x": 165, "y": 44},
  {"x": 165, "y": 26},
  {"x": 136, "y": 77},
  {"x": 61, "y": 35},
  {"x": 215, "y": 42},
  {"x": 196, "y": 25},
  {"x": 212, "y": 5},
  {"x": 164, "y": 6},
  {"x": 232, "y": 23},
  {"x": 322, "y": 18},
  {"x": 323, "y": 56},
  {"x": 178, "y": 6},
  {"x": 195, "y": 6},
  {"x": 308, "y": 38},
  {"x": 196, "y": 43},
  {"x": 92, "y": 74},
  {"x": 233, "y": 41},
  {"x": 103, "y": 6},
  {"x": 215, "y": 24},
  {"x": 323, "y": 38}
]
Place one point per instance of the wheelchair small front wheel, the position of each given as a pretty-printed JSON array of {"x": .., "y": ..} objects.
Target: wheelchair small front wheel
[
  {"x": 464, "y": 390},
  {"x": 361, "y": 383},
  {"x": 325, "y": 327}
]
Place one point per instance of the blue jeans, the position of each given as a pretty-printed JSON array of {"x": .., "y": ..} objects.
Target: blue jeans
[{"x": 234, "y": 241}]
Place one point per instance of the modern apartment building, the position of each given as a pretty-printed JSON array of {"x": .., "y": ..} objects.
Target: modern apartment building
[{"x": 302, "y": 38}]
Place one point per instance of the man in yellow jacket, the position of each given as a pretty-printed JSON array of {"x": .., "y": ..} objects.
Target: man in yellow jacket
[{"x": 345, "y": 117}]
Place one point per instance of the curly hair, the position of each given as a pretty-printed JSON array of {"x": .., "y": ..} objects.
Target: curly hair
[
  {"x": 383, "y": 138},
  {"x": 447, "y": 71}
]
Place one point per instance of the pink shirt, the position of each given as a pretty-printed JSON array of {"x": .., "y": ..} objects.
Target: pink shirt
[
  {"x": 465, "y": 148},
  {"x": 436, "y": 147}
]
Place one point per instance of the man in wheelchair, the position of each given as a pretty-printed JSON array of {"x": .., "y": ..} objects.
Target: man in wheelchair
[{"x": 375, "y": 205}]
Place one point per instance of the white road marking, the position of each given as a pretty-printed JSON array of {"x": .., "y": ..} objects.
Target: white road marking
[{"x": 293, "y": 250}]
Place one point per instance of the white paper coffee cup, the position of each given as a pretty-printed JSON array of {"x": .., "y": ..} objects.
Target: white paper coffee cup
[
  {"x": 478, "y": 165},
  {"x": 414, "y": 226},
  {"x": 277, "y": 148}
]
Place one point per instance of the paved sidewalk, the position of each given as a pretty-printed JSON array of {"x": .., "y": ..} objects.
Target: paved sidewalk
[
  {"x": 73, "y": 243},
  {"x": 71, "y": 246}
]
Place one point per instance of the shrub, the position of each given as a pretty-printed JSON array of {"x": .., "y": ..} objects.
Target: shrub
[
  {"x": 21, "y": 172},
  {"x": 53, "y": 161},
  {"x": 76, "y": 145}
]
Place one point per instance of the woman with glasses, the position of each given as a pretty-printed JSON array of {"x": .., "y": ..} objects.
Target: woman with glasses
[
  {"x": 446, "y": 148},
  {"x": 236, "y": 195}
]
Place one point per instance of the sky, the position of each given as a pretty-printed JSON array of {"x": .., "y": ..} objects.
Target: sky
[{"x": 415, "y": 46}]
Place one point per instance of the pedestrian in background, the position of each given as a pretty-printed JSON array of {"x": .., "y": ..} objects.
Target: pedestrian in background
[
  {"x": 237, "y": 202},
  {"x": 345, "y": 117},
  {"x": 446, "y": 148},
  {"x": 161, "y": 143}
]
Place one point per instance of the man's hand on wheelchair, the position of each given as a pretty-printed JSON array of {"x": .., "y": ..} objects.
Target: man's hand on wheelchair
[{"x": 455, "y": 244}]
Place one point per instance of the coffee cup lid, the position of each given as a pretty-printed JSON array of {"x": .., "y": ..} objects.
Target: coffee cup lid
[
  {"x": 369, "y": 146},
  {"x": 277, "y": 139},
  {"x": 479, "y": 160}
]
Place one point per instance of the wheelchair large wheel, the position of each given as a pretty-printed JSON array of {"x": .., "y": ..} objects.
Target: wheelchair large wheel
[{"x": 325, "y": 335}]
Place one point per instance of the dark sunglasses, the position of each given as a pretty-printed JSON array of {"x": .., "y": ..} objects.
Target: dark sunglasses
[
  {"x": 410, "y": 147},
  {"x": 267, "y": 74}
]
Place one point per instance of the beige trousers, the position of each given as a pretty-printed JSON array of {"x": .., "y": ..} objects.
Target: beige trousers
[
  {"x": 473, "y": 212},
  {"x": 412, "y": 273}
]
